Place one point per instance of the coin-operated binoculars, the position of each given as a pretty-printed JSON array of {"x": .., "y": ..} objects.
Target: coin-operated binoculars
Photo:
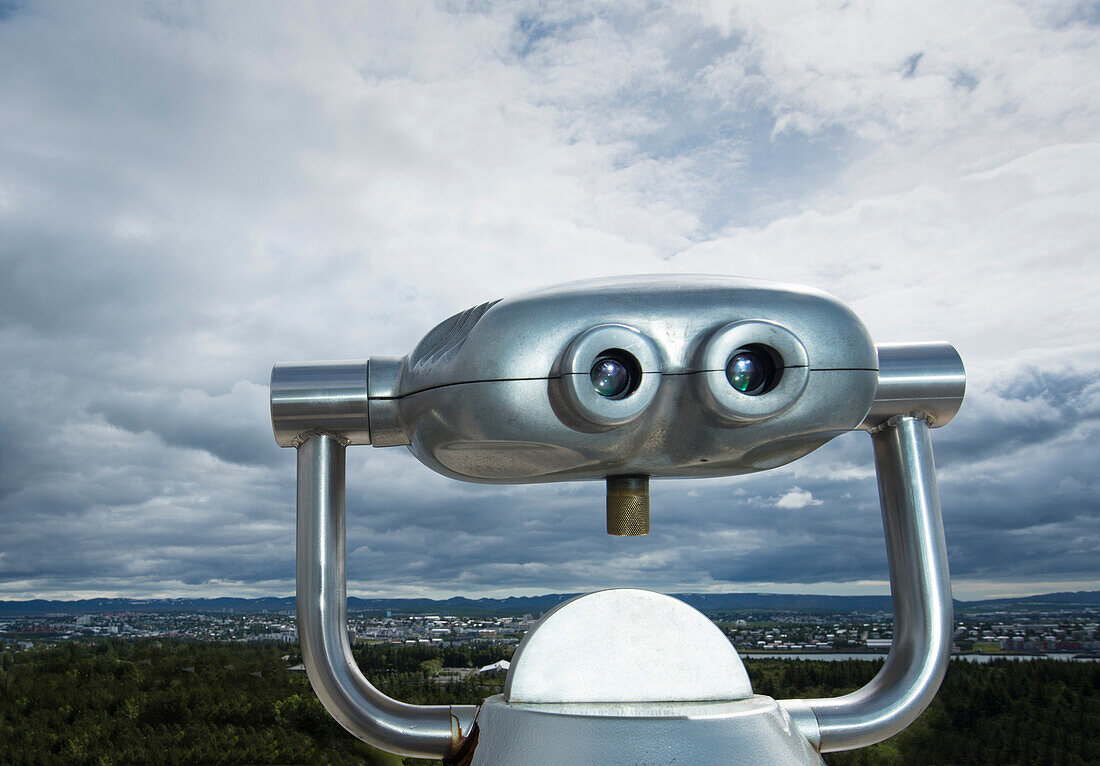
[{"x": 622, "y": 380}]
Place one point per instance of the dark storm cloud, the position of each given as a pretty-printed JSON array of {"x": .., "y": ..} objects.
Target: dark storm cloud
[
  {"x": 232, "y": 427},
  {"x": 1029, "y": 409}
]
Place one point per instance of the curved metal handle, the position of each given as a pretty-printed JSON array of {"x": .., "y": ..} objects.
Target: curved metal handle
[
  {"x": 921, "y": 590},
  {"x": 430, "y": 731}
]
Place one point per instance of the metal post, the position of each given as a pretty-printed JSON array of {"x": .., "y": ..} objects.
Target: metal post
[
  {"x": 921, "y": 588},
  {"x": 433, "y": 731}
]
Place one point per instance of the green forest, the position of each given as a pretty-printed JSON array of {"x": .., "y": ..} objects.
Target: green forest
[{"x": 175, "y": 702}]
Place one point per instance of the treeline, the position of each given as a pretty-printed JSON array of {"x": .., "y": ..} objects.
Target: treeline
[
  {"x": 153, "y": 702},
  {"x": 176, "y": 702},
  {"x": 1030, "y": 713}
]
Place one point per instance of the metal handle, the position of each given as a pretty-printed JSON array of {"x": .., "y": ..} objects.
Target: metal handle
[
  {"x": 921, "y": 590},
  {"x": 431, "y": 731}
]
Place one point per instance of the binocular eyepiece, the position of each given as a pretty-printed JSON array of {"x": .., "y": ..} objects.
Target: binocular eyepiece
[{"x": 752, "y": 371}]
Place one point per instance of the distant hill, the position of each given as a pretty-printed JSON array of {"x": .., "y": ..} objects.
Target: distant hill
[
  {"x": 119, "y": 605},
  {"x": 518, "y": 605},
  {"x": 1075, "y": 598}
]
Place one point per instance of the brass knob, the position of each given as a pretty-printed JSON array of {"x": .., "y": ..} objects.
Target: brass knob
[{"x": 627, "y": 505}]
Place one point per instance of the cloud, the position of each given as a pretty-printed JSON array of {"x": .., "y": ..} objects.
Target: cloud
[
  {"x": 190, "y": 194},
  {"x": 795, "y": 498},
  {"x": 230, "y": 426}
]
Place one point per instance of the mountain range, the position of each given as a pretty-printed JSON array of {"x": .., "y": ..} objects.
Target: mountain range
[{"x": 518, "y": 605}]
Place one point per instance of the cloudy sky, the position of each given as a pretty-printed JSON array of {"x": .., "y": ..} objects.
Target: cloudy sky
[{"x": 190, "y": 192}]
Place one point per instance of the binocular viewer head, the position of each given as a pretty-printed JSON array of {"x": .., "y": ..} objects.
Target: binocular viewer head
[
  {"x": 643, "y": 376},
  {"x": 625, "y": 379}
]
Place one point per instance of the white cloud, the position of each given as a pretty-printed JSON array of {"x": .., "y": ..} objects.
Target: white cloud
[{"x": 796, "y": 498}]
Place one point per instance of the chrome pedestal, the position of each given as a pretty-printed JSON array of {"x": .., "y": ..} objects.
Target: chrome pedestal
[
  {"x": 751, "y": 732},
  {"x": 624, "y": 677}
]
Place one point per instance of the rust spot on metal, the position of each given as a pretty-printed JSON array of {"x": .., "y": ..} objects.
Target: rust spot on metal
[{"x": 464, "y": 756}]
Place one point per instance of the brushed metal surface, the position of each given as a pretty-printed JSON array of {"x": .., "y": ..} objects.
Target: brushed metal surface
[
  {"x": 921, "y": 589},
  {"x": 519, "y": 337},
  {"x": 749, "y": 732},
  {"x": 383, "y": 403},
  {"x": 425, "y": 731},
  {"x": 513, "y": 402},
  {"x": 319, "y": 396},
  {"x": 917, "y": 377},
  {"x": 726, "y": 402},
  {"x": 570, "y": 389}
]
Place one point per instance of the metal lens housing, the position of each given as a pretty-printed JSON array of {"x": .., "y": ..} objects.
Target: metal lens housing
[
  {"x": 752, "y": 370},
  {"x": 615, "y": 374},
  {"x": 503, "y": 392},
  {"x": 605, "y": 378}
]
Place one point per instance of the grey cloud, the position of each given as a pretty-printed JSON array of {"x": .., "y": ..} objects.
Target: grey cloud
[
  {"x": 232, "y": 427},
  {"x": 911, "y": 63},
  {"x": 1029, "y": 409}
]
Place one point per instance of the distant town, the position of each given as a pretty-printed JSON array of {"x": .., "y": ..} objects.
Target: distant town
[{"x": 1058, "y": 631}]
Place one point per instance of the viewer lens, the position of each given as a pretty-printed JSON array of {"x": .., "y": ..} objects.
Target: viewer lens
[
  {"x": 750, "y": 372},
  {"x": 612, "y": 377}
]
